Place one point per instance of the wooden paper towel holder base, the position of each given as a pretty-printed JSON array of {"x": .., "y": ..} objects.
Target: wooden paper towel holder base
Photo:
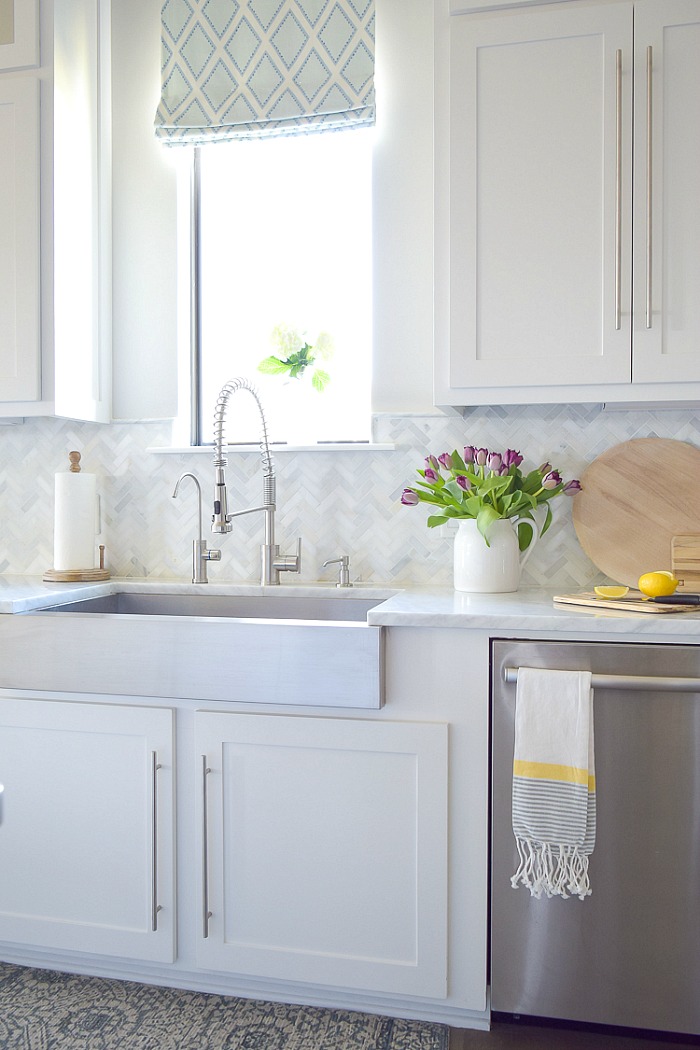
[
  {"x": 75, "y": 575},
  {"x": 79, "y": 575}
]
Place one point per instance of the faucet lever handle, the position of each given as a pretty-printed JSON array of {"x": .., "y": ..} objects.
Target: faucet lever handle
[{"x": 289, "y": 562}]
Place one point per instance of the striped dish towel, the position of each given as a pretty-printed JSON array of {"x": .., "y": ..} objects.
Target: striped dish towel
[{"x": 554, "y": 809}]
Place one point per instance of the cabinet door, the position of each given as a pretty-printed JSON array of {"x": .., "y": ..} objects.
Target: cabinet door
[
  {"x": 19, "y": 239},
  {"x": 86, "y": 842},
  {"x": 538, "y": 219},
  {"x": 667, "y": 191},
  {"x": 325, "y": 851}
]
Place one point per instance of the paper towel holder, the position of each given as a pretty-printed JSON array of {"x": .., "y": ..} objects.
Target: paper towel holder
[{"x": 78, "y": 575}]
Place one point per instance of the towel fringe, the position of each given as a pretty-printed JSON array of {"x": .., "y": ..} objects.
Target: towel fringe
[{"x": 556, "y": 871}]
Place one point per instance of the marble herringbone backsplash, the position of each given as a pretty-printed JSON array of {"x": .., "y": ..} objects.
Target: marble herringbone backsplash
[{"x": 339, "y": 502}]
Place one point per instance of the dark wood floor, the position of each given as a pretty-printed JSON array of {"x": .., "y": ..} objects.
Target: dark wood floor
[{"x": 528, "y": 1036}]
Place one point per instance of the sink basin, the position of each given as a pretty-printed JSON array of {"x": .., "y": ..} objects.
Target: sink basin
[
  {"x": 289, "y": 649},
  {"x": 257, "y": 607}
]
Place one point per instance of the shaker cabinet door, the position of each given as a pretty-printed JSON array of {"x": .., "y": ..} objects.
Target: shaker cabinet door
[
  {"x": 20, "y": 306},
  {"x": 667, "y": 191},
  {"x": 324, "y": 851},
  {"x": 540, "y": 198},
  {"x": 86, "y": 840}
]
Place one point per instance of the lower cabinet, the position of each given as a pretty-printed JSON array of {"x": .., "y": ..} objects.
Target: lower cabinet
[
  {"x": 319, "y": 852},
  {"x": 323, "y": 850},
  {"x": 87, "y": 838}
]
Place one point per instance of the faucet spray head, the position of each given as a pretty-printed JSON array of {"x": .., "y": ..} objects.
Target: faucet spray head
[{"x": 220, "y": 521}]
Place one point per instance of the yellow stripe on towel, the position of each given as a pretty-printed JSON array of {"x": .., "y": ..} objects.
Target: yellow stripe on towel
[{"x": 552, "y": 771}]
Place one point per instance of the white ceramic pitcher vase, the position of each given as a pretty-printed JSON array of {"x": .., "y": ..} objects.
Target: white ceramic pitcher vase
[{"x": 493, "y": 569}]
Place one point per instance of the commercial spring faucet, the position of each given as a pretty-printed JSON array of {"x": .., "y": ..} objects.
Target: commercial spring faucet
[{"x": 272, "y": 562}]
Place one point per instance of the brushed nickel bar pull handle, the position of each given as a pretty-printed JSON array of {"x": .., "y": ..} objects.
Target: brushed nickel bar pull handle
[
  {"x": 155, "y": 906},
  {"x": 649, "y": 185},
  {"x": 618, "y": 189},
  {"x": 206, "y": 914},
  {"x": 627, "y": 681}
]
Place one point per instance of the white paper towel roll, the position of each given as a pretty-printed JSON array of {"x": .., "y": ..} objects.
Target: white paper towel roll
[{"x": 74, "y": 521}]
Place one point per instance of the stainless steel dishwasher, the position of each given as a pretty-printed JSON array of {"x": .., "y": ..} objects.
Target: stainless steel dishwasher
[{"x": 630, "y": 953}]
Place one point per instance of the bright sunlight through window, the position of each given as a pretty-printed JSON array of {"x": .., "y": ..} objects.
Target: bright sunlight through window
[{"x": 286, "y": 248}]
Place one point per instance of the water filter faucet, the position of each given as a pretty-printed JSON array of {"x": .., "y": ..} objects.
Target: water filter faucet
[{"x": 201, "y": 554}]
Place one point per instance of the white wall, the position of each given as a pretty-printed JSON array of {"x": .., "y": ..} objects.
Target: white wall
[{"x": 144, "y": 193}]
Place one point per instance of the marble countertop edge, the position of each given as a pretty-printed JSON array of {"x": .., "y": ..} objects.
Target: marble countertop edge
[{"x": 527, "y": 611}]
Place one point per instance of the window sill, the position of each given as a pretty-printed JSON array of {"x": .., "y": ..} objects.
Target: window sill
[{"x": 350, "y": 446}]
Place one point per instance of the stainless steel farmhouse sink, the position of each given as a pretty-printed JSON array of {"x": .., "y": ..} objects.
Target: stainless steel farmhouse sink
[
  {"x": 301, "y": 650},
  {"x": 256, "y": 606}
]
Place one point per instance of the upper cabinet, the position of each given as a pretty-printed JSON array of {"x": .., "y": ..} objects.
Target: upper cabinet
[
  {"x": 567, "y": 203},
  {"x": 20, "y": 329},
  {"x": 55, "y": 165}
]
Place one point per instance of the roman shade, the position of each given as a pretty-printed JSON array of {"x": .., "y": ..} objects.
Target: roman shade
[{"x": 249, "y": 68}]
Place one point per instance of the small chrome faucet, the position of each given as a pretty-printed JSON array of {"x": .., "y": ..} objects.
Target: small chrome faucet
[
  {"x": 200, "y": 553},
  {"x": 343, "y": 571},
  {"x": 272, "y": 563}
]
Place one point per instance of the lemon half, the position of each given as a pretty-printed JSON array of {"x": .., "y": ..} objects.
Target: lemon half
[
  {"x": 611, "y": 592},
  {"x": 654, "y": 584}
]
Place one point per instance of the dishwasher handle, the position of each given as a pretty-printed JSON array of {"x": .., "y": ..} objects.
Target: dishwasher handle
[{"x": 627, "y": 681}]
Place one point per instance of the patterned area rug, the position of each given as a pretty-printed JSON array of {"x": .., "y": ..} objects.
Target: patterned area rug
[{"x": 44, "y": 1010}]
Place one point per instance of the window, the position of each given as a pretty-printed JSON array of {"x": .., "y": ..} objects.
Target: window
[{"x": 285, "y": 239}]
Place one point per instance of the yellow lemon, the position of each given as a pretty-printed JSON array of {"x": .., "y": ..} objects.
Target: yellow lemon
[
  {"x": 611, "y": 592},
  {"x": 657, "y": 583}
]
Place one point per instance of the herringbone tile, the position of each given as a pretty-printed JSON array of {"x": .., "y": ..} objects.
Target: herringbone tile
[{"x": 340, "y": 503}]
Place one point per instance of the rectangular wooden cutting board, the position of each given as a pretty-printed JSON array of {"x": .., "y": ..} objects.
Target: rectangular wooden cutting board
[
  {"x": 685, "y": 561},
  {"x": 631, "y": 605}
]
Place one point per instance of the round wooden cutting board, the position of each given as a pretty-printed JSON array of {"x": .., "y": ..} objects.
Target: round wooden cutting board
[{"x": 635, "y": 498}]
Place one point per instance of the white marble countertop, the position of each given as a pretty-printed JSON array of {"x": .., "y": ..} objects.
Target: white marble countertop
[{"x": 527, "y": 611}]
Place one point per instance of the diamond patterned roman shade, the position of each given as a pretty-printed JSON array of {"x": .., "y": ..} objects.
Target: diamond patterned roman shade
[{"x": 247, "y": 68}]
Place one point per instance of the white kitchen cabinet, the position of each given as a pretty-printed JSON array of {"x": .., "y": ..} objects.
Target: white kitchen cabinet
[
  {"x": 55, "y": 312},
  {"x": 20, "y": 331},
  {"x": 539, "y": 258},
  {"x": 324, "y": 851},
  {"x": 87, "y": 838}
]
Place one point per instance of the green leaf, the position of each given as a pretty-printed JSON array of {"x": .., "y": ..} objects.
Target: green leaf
[
  {"x": 320, "y": 380},
  {"x": 484, "y": 519},
  {"x": 272, "y": 366},
  {"x": 532, "y": 482},
  {"x": 547, "y": 521},
  {"x": 526, "y": 532},
  {"x": 458, "y": 463},
  {"x": 436, "y": 519},
  {"x": 457, "y": 512}
]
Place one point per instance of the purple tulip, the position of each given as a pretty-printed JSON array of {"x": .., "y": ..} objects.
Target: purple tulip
[
  {"x": 511, "y": 458},
  {"x": 572, "y": 487},
  {"x": 409, "y": 498},
  {"x": 503, "y": 471},
  {"x": 544, "y": 468},
  {"x": 495, "y": 461},
  {"x": 446, "y": 460},
  {"x": 464, "y": 483},
  {"x": 431, "y": 475},
  {"x": 431, "y": 462},
  {"x": 480, "y": 456},
  {"x": 551, "y": 480},
  {"x": 469, "y": 453}
]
